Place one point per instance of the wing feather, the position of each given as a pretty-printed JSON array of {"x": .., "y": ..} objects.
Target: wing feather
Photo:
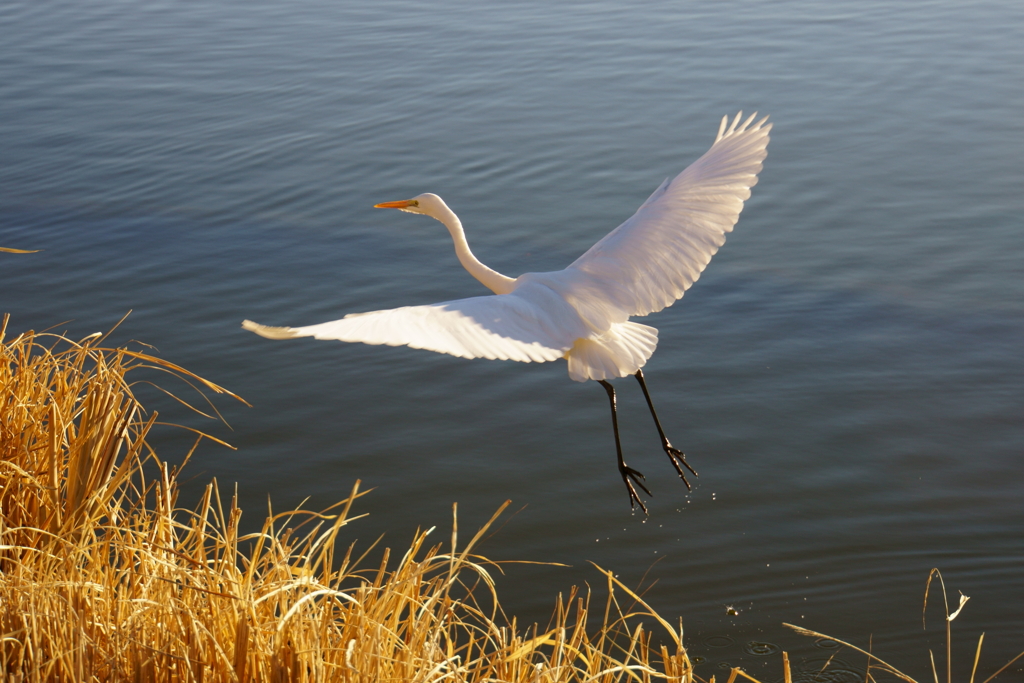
[
  {"x": 522, "y": 326},
  {"x": 648, "y": 262}
]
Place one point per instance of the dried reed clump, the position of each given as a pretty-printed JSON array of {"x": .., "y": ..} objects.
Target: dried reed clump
[{"x": 104, "y": 578}]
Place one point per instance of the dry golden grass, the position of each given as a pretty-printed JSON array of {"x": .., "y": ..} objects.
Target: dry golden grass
[{"x": 104, "y": 578}]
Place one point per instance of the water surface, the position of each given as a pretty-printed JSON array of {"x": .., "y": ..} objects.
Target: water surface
[{"x": 847, "y": 375}]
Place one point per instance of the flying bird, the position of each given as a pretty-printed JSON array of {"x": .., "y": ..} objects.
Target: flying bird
[{"x": 581, "y": 313}]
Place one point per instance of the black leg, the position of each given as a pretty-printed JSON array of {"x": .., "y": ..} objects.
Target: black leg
[
  {"x": 674, "y": 454},
  {"x": 628, "y": 473}
]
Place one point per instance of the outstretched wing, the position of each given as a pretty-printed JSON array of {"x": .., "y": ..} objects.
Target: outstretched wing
[
  {"x": 514, "y": 326},
  {"x": 649, "y": 261}
]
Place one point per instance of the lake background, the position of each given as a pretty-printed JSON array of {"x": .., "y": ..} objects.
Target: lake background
[{"x": 847, "y": 376}]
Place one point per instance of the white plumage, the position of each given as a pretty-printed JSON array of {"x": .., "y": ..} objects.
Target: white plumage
[{"x": 580, "y": 313}]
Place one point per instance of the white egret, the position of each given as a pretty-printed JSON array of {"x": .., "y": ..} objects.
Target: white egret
[{"x": 581, "y": 313}]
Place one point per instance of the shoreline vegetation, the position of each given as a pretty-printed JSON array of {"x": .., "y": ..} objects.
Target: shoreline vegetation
[{"x": 103, "y": 577}]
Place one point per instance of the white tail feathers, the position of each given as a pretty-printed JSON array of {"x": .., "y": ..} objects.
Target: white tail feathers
[{"x": 620, "y": 351}]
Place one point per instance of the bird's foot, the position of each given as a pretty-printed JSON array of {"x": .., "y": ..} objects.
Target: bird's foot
[
  {"x": 678, "y": 458},
  {"x": 628, "y": 473}
]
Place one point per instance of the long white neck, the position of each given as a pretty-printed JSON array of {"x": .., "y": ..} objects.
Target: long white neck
[{"x": 491, "y": 279}]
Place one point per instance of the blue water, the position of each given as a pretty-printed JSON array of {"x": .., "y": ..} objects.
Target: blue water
[{"x": 847, "y": 376}]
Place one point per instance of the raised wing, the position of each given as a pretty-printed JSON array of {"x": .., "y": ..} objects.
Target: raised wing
[
  {"x": 648, "y": 262},
  {"x": 523, "y": 326}
]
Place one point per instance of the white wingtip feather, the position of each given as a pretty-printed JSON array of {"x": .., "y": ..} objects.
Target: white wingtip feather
[
  {"x": 269, "y": 332},
  {"x": 721, "y": 128},
  {"x": 735, "y": 122}
]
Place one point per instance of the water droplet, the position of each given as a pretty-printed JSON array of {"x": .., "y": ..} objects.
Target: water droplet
[{"x": 761, "y": 649}]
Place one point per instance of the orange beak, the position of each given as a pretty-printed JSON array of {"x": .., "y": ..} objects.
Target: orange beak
[{"x": 403, "y": 204}]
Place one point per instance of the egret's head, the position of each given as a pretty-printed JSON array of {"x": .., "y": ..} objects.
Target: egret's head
[{"x": 426, "y": 203}]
